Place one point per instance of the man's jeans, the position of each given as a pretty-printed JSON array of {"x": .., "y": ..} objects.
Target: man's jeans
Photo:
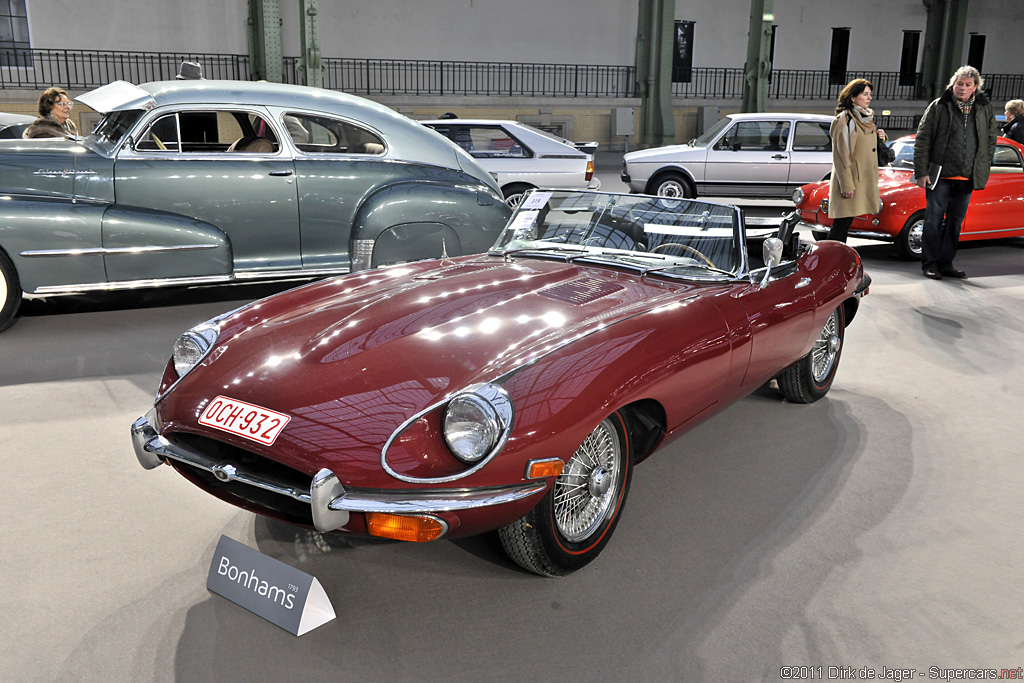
[{"x": 943, "y": 215}]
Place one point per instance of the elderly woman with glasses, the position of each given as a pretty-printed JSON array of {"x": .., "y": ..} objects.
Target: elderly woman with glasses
[
  {"x": 54, "y": 116},
  {"x": 1014, "y": 126}
]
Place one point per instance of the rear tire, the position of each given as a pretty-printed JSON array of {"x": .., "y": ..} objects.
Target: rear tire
[
  {"x": 673, "y": 185},
  {"x": 573, "y": 523},
  {"x": 810, "y": 378},
  {"x": 10, "y": 292},
  {"x": 514, "y": 193}
]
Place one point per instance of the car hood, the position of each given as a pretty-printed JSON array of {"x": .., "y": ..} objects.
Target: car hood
[
  {"x": 674, "y": 152},
  {"x": 392, "y": 342}
]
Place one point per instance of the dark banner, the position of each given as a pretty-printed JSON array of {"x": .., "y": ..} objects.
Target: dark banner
[{"x": 682, "y": 53}]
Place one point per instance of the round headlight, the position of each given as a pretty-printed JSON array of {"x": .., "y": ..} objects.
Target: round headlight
[
  {"x": 471, "y": 427},
  {"x": 192, "y": 347},
  {"x": 798, "y": 196}
]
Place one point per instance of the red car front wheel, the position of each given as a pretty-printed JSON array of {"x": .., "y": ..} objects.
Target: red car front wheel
[{"x": 573, "y": 522}]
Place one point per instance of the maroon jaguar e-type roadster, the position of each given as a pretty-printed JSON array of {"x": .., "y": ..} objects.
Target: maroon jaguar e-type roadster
[{"x": 513, "y": 390}]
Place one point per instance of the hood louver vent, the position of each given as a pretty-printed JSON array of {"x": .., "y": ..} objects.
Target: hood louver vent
[{"x": 581, "y": 291}]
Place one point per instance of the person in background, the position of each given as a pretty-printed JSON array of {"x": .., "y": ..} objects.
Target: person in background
[
  {"x": 54, "y": 116},
  {"x": 1014, "y": 126},
  {"x": 955, "y": 141},
  {"x": 853, "y": 188}
]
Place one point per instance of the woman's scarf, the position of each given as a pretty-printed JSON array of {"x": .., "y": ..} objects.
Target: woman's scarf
[{"x": 857, "y": 118}]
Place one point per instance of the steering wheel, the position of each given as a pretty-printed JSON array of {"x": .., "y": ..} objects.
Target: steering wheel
[{"x": 686, "y": 247}]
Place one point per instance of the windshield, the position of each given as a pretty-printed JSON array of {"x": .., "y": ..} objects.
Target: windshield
[
  {"x": 904, "y": 154},
  {"x": 687, "y": 238},
  {"x": 708, "y": 136},
  {"x": 115, "y": 124}
]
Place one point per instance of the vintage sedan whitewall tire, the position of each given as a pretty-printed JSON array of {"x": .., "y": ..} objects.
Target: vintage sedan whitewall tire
[
  {"x": 573, "y": 522},
  {"x": 514, "y": 193},
  {"x": 674, "y": 185},
  {"x": 908, "y": 242},
  {"x": 10, "y": 292},
  {"x": 810, "y": 378}
]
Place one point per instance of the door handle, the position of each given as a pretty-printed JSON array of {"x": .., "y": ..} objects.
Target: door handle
[
  {"x": 280, "y": 173},
  {"x": 779, "y": 156}
]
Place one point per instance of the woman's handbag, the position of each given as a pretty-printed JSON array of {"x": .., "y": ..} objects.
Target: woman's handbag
[{"x": 885, "y": 154}]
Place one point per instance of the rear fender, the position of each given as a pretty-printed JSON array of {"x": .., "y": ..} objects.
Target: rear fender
[{"x": 412, "y": 221}]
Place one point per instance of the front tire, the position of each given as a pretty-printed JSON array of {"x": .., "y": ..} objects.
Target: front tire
[
  {"x": 574, "y": 521},
  {"x": 810, "y": 378},
  {"x": 10, "y": 292},
  {"x": 908, "y": 242},
  {"x": 672, "y": 185}
]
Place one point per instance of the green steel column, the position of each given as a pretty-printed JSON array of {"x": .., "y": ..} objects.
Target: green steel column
[
  {"x": 945, "y": 33},
  {"x": 265, "y": 40},
  {"x": 758, "y": 67},
  {"x": 655, "y": 26},
  {"x": 310, "y": 70}
]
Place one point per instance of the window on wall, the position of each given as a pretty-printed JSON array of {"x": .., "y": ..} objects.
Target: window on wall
[
  {"x": 976, "y": 50},
  {"x": 14, "y": 43},
  {"x": 908, "y": 57},
  {"x": 839, "y": 56}
]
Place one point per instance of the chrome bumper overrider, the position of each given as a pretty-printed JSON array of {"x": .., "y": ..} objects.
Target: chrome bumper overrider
[{"x": 330, "y": 502}]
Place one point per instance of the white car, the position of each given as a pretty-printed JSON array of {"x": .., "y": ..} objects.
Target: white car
[
  {"x": 521, "y": 157},
  {"x": 742, "y": 155}
]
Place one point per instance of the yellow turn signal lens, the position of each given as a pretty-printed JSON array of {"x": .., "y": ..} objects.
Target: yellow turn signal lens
[
  {"x": 590, "y": 171},
  {"x": 538, "y": 469},
  {"x": 404, "y": 527}
]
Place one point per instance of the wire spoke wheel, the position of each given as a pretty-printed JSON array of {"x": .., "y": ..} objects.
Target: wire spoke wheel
[
  {"x": 810, "y": 378},
  {"x": 583, "y": 492},
  {"x": 826, "y": 349},
  {"x": 571, "y": 525}
]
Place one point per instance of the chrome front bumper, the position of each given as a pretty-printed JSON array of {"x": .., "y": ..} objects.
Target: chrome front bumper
[{"x": 330, "y": 502}]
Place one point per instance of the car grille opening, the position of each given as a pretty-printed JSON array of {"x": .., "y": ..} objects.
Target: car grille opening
[{"x": 244, "y": 495}]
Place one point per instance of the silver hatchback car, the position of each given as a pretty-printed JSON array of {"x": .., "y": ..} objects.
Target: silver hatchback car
[
  {"x": 742, "y": 155},
  {"x": 521, "y": 157}
]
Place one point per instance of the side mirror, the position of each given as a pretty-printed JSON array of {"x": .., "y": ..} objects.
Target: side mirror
[{"x": 771, "y": 252}]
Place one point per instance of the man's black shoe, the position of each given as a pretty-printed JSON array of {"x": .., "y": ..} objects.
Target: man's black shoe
[
  {"x": 953, "y": 272},
  {"x": 933, "y": 274}
]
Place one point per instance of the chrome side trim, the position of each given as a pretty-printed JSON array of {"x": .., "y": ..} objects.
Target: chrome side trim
[
  {"x": 329, "y": 501},
  {"x": 246, "y": 277},
  {"x": 116, "y": 250}
]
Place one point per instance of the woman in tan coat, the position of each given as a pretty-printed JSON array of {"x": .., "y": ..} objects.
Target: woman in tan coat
[{"x": 853, "y": 189}]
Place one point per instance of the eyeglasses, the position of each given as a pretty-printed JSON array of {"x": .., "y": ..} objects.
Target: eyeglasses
[{"x": 66, "y": 104}]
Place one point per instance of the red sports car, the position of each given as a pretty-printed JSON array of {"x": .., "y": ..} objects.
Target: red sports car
[
  {"x": 995, "y": 212},
  {"x": 512, "y": 391}
]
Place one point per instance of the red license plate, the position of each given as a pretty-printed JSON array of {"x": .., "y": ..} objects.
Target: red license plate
[{"x": 244, "y": 419}]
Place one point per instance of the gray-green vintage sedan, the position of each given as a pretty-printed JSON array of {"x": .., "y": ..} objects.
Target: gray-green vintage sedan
[{"x": 203, "y": 182}]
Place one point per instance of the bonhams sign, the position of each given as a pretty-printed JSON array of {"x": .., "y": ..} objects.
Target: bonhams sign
[{"x": 283, "y": 595}]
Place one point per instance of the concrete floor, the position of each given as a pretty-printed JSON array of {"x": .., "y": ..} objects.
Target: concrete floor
[{"x": 876, "y": 528}]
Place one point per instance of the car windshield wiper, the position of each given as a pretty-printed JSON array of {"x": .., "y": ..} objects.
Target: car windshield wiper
[
  {"x": 701, "y": 266},
  {"x": 558, "y": 249}
]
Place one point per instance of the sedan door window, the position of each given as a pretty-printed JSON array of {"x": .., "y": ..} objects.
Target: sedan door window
[
  {"x": 204, "y": 132},
  {"x": 812, "y": 136},
  {"x": 324, "y": 135},
  {"x": 756, "y": 136}
]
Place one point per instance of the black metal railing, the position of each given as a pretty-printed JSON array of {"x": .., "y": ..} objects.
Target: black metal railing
[
  {"x": 418, "y": 77},
  {"x": 86, "y": 69}
]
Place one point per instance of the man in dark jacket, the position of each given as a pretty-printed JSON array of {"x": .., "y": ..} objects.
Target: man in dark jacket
[{"x": 955, "y": 141}]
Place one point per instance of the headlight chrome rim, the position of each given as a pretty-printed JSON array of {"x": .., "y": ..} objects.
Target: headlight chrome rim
[
  {"x": 798, "y": 196},
  {"x": 475, "y": 438},
  {"x": 192, "y": 347}
]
